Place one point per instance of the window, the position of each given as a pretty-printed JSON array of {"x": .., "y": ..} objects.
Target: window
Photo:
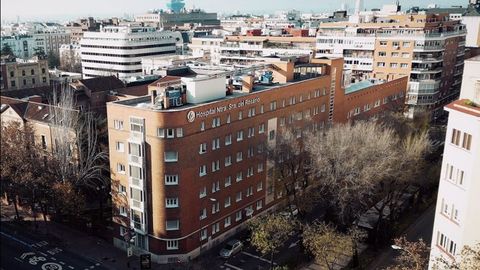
[
  {"x": 122, "y": 189},
  {"x": 215, "y": 186},
  {"x": 203, "y": 170},
  {"x": 395, "y": 44},
  {"x": 261, "y": 108},
  {"x": 249, "y": 172},
  {"x": 404, "y": 65},
  {"x": 170, "y": 133},
  {"x": 382, "y": 54},
  {"x": 260, "y": 167},
  {"x": 215, "y": 228},
  {"x": 261, "y": 129},
  {"x": 171, "y": 179},
  {"x": 203, "y": 234},
  {"x": 228, "y": 161},
  {"x": 240, "y": 115},
  {"x": 377, "y": 103},
  {"x": 395, "y": 54},
  {"x": 251, "y": 132},
  {"x": 238, "y": 197},
  {"x": 460, "y": 175},
  {"x": 405, "y": 55},
  {"x": 282, "y": 121},
  {"x": 118, "y": 124},
  {"x": 228, "y": 202},
  {"x": 227, "y": 222},
  {"x": 24, "y": 82},
  {"x": 259, "y": 204},
  {"x": 323, "y": 108},
  {"x": 239, "y": 135},
  {"x": 271, "y": 135},
  {"x": 260, "y": 186},
  {"x": 393, "y": 65},
  {"x": 203, "y": 213},
  {"x": 215, "y": 144},
  {"x": 238, "y": 216},
  {"x": 23, "y": 72},
  {"x": 43, "y": 71},
  {"x": 120, "y": 146},
  {"x": 381, "y": 64},
  {"x": 12, "y": 73},
  {"x": 467, "y": 141},
  {"x": 239, "y": 176},
  {"x": 228, "y": 181},
  {"x": 202, "y": 126},
  {"x": 228, "y": 119},
  {"x": 12, "y": 83},
  {"x": 273, "y": 106},
  {"x": 249, "y": 192},
  {"x": 136, "y": 124},
  {"x": 171, "y": 156},
  {"x": 161, "y": 132},
  {"x": 228, "y": 139},
  {"x": 215, "y": 207},
  {"x": 366, "y": 108},
  {"x": 215, "y": 122},
  {"x": 456, "y": 137},
  {"x": 172, "y": 244},
  {"x": 171, "y": 202},
  {"x": 239, "y": 156},
  {"x": 251, "y": 112},
  {"x": 123, "y": 211},
  {"x": 203, "y": 148},
  {"x": 383, "y": 43},
  {"x": 120, "y": 168},
  {"x": 406, "y": 44},
  {"x": 32, "y": 72},
  {"x": 250, "y": 152},
  {"x": 33, "y": 80},
  {"x": 203, "y": 192}
]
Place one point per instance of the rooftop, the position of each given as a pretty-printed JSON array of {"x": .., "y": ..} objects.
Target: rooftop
[
  {"x": 465, "y": 106},
  {"x": 355, "y": 87}
]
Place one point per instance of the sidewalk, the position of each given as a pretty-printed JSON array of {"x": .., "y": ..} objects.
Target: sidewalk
[{"x": 83, "y": 244}]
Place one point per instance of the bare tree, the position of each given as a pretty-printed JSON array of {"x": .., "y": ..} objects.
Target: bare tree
[
  {"x": 413, "y": 255},
  {"x": 468, "y": 259},
  {"x": 348, "y": 162},
  {"x": 291, "y": 170},
  {"x": 327, "y": 244},
  {"x": 77, "y": 153}
]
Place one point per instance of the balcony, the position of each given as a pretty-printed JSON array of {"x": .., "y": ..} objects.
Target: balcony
[
  {"x": 428, "y": 48},
  {"x": 136, "y": 182},
  {"x": 137, "y": 136},
  {"x": 135, "y": 160},
  {"x": 427, "y": 59},
  {"x": 138, "y": 226},
  {"x": 137, "y": 205},
  {"x": 427, "y": 70}
]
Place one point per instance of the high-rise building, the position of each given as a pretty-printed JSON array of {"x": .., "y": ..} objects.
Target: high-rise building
[
  {"x": 457, "y": 216},
  {"x": 118, "y": 50},
  {"x": 188, "y": 162},
  {"x": 429, "y": 48}
]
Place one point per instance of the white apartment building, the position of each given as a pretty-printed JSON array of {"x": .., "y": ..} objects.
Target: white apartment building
[
  {"x": 118, "y": 50},
  {"x": 457, "y": 217}
]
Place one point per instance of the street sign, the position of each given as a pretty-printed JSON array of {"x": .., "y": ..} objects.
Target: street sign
[
  {"x": 129, "y": 251},
  {"x": 145, "y": 261}
]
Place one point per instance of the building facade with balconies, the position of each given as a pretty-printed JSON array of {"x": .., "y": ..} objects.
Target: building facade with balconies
[{"x": 428, "y": 48}]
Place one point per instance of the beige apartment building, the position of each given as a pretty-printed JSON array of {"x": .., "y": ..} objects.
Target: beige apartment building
[
  {"x": 429, "y": 48},
  {"x": 20, "y": 74}
]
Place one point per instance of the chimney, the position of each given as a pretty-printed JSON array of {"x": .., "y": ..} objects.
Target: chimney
[
  {"x": 154, "y": 97},
  {"x": 247, "y": 84}
]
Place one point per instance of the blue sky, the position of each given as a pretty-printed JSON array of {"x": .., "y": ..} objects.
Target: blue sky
[{"x": 56, "y": 9}]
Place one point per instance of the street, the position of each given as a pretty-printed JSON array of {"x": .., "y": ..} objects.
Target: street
[{"x": 23, "y": 250}]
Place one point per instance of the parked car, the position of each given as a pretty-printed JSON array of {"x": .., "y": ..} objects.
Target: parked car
[
  {"x": 288, "y": 213},
  {"x": 231, "y": 248}
]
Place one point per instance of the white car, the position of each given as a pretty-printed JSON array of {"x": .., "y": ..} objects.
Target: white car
[{"x": 233, "y": 247}]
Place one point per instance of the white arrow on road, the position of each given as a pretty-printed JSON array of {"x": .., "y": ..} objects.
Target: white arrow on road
[
  {"x": 26, "y": 254},
  {"x": 294, "y": 244}
]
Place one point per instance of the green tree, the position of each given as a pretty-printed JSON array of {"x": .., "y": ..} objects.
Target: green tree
[
  {"x": 7, "y": 50},
  {"x": 53, "y": 60},
  {"x": 326, "y": 244},
  {"x": 269, "y": 233}
]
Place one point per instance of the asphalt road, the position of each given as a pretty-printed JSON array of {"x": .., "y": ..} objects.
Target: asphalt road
[
  {"x": 22, "y": 250},
  {"x": 421, "y": 228}
]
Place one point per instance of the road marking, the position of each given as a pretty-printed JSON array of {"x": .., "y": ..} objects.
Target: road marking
[
  {"x": 43, "y": 254},
  {"x": 62, "y": 263},
  {"x": 93, "y": 266},
  {"x": 97, "y": 264},
  {"x": 257, "y": 257},
  {"x": 15, "y": 239},
  {"x": 294, "y": 244},
  {"x": 53, "y": 258},
  {"x": 233, "y": 266},
  {"x": 24, "y": 255},
  {"x": 71, "y": 267},
  {"x": 18, "y": 259}
]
